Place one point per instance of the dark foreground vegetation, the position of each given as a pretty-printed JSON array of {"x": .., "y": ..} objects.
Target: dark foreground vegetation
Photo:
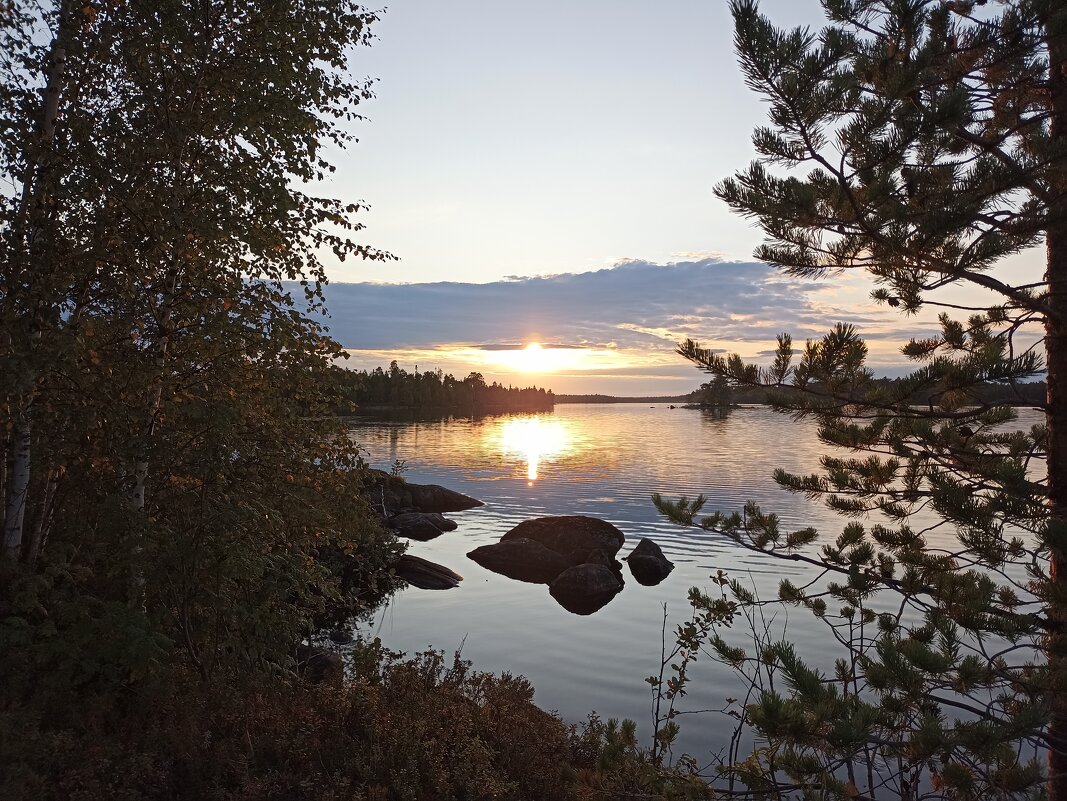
[
  {"x": 420, "y": 728},
  {"x": 396, "y": 389},
  {"x": 181, "y": 511}
]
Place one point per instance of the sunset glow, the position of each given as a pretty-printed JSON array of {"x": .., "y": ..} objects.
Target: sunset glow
[
  {"x": 534, "y": 439},
  {"x": 534, "y": 358},
  {"x": 537, "y": 358}
]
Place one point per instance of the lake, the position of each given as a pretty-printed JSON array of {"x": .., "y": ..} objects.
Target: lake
[{"x": 603, "y": 460}]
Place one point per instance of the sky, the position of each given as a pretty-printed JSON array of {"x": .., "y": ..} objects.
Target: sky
[{"x": 543, "y": 173}]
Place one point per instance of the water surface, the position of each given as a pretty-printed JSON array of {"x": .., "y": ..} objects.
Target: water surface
[{"x": 605, "y": 461}]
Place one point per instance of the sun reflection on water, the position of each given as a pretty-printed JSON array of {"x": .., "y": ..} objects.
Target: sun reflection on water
[{"x": 537, "y": 439}]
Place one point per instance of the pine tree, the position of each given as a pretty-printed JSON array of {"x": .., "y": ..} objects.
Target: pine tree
[{"x": 920, "y": 143}]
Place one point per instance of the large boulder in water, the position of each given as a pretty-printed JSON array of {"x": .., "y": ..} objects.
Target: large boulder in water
[
  {"x": 585, "y": 588},
  {"x": 420, "y": 526},
  {"x": 398, "y": 495},
  {"x": 426, "y": 575},
  {"x": 577, "y": 537},
  {"x": 648, "y": 564},
  {"x": 522, "y": 559}
]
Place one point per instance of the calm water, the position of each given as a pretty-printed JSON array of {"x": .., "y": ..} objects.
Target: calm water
[{"x": 604, "y": 461}]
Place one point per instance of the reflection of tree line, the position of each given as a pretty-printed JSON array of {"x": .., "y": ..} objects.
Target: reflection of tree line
[{"x": 398, "y": 389}]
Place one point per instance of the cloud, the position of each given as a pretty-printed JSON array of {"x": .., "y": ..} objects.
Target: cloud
[
  {"x": 635, "y": 304},
  {"x": 518, "y": 345},
  {"x": 615, "y": 329},
  {"x": 699, "y": 255}
]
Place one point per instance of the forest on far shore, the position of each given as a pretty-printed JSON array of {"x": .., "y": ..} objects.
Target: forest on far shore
[
  {"x": 718, "y": 393},
  {"x": 396, "y": 388}
]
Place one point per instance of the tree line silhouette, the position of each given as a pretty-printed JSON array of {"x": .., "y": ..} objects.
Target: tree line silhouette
[{"x": 396, "y": 388}]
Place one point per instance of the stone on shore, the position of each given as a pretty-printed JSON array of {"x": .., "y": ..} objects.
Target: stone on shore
[
  {"x": 521, "y": 559},
  {"x": 422, "y": 526},
  {"x": 576, "y": 537},
  {"x": 398, "y": 495},
  {"x": 426, "y": 575}
]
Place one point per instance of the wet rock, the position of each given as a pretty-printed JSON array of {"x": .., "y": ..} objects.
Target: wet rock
[
  {"x": 585, "y": 588},
  {"x": 577, "y": 537},
  {"x": 397, "y": 495},
  {"x": 522, "y": 559},
  {"x": 602, "y": 557},
  {"x": 422, "y": 526},
  {"x": 648, "y": 564},
  {"x": 426, "y": 575}
]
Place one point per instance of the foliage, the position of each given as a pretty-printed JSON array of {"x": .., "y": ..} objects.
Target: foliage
[
  {"x": 180, "y": 508},
  {"x": 164, "y": 395},
  {"x": 611, "y": 764},
  {"x": 716, "y": 393},
  {"x": 435, "y": 390},
  {"x": 418, "y": 728},
  {"x": 176, "y": 504},
  {"x": 919, "y": 143}
]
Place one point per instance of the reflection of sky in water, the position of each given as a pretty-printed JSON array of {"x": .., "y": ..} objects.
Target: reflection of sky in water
[{"x": 604, "y": 461}]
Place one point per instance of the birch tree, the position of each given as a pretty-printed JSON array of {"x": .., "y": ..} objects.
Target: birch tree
[{"x": 163, "y": 254}]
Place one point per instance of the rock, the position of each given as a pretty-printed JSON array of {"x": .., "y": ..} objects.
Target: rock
[
  {"x": 574, "y": 536},
  {"x": 648, "y": 564},
  {"x": 585, "y": 588},
  {"x": 420, "y": 526},
  {"x": 522, "y": 559},
  {"x": 318, "y": 665},
  {"x": 426, "y": 575},
  {"x": 340, "y": 636},
  {"x": 601, "y": 557},
  {"x": 398, "y": 495}
]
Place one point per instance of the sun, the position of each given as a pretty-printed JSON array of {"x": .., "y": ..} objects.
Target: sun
[{"x": 534, "y": 358}]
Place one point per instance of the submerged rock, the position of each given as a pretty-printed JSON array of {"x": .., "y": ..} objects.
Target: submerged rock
[
  {"x": 420, "y": 526},
  {"x": 576, "y": 537},
  {"x": 426, "y": 575},
  {"x": 648, "y": 564},
  {"x": 522, "y": 559},
  {"x": 585, "y": 588},
  {"x": 397, "y": 495}
]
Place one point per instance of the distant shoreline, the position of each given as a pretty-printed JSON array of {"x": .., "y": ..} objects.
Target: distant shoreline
[{"x": 622, "y": 399}]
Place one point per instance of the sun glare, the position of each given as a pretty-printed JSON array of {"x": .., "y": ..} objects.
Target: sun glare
[
  {"x": 534, "y": 439},
  {"x": 534, "y": 358}
]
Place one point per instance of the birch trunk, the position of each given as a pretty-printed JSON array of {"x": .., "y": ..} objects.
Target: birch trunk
[
  {"x": 18, "y": 482},
  {"x": 28, "y": 239},
  {"x": 155, "y": 406}
]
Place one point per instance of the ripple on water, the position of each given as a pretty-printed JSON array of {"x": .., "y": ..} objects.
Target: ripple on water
[{"x": 604, "y": 461}]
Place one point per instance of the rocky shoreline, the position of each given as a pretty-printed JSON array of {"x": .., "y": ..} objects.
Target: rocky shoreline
[{"x": 575, "y": 555}]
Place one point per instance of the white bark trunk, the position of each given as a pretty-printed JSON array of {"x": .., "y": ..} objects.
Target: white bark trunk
[
  {"x": 37, "y": 179},
  {"x": 18, "y": 484}
]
